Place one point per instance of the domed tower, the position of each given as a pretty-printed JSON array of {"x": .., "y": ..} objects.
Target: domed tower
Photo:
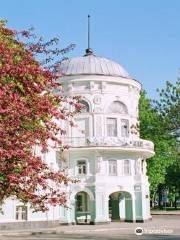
[{"x": 106, "y": 152}]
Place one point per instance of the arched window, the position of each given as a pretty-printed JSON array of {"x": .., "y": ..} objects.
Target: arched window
[
  {"x": 117, "y": 107},
  {"x": 85, "y": 106}
]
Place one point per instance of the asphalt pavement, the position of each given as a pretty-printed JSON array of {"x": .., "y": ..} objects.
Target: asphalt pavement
[{"x": 161, "y": 227}]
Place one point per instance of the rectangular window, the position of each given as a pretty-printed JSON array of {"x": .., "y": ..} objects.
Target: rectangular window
[
  {"x": 112, "y": 167},
  {"x": 111, "y": 127},
  {"x": 127, "y": 167},
  {"x": 61, "y": 159},
  {"x": 21, "y": 212},
  {"x": 124, "y": 128},
  {"x": 82, "y": 168}
]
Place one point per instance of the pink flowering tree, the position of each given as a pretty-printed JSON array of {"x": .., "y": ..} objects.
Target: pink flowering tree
[{"x": 28, "y": 109}]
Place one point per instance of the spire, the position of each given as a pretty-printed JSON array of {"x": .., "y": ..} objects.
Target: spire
[
  {"x": 88, "y": 31},
  {"x": 89, "y": 51}
]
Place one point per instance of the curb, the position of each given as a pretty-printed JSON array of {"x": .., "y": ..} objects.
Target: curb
[
  {"x": 165, "y": 213},
  {"x": 30, "y": 232},
  {"x": 77, "y": 231}
]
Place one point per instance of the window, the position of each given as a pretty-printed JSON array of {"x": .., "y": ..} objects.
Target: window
[
  {"x": 82, "y": 167},
  {"x": 21, "y": 212},
  {"x": 124, "y": 128},
  {"x": 142, "y": 166},
  {"x": 127, "y": 167},
  {"x": 111, "y": 127},
  {"x": 85, "y": 106},
  {"x": 61, "y": 160},
  {"x": 112, "y": 167}
]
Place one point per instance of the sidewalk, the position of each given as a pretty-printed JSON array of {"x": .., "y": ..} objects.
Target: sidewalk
[
  {"x": 165, "y": 212},
  {"x": 158, "y": 222}
]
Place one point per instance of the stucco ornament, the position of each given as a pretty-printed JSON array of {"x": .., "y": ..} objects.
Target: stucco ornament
[
  {"x": 97, "y": 99},
  {"x": 99, "y": 163},
  {"x": 97, "y": 110},
  {"x": 117, "y": 107}
]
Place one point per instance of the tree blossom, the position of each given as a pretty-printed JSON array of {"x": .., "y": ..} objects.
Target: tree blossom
[{"x": 28, "y": 109}]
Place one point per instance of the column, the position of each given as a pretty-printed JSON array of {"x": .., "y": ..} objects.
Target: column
[
  {"x": 133, "y": 208},
  {"x": 101, "y": 207},
  {"x": 92, "y": 211},
  {"x": 138, "y": 203},
  {"x": 122, "y": 208}
]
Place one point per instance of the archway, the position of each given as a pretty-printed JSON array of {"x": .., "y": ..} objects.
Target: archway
[
  {"x": 120, "y": 206},
  {"x": 82, "y": 208}
]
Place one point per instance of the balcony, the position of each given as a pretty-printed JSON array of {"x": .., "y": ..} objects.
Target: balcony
[{"x": 108, "y": 142}]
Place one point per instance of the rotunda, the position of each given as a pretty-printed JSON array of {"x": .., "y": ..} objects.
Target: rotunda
[{"x": 106, "y": 152}]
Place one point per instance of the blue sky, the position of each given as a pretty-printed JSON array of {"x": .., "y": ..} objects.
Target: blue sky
[{"x": 142, "y": 35}]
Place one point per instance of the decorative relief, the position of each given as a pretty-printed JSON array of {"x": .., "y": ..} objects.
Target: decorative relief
[
  {"x": 137, "y": 188},
  {"x": 98, "y": 86},
  {"x": 107, "y": 141},
  {"x": 103, "y": 85},
  {"x": 92, "y": 85},
  {"x": 117, "y": 107},
  {"x": 97, "y": 110},
  {"x": 116, "y": 141},
  {"x": 138, "y": 166},
  {"x": 87, "y": 86},
  {"x": 78, "y": 87},
  {"x": 98, "y": 123},
  {"x": 99, "y": 163},
  {"x": 97, "y": 99}
]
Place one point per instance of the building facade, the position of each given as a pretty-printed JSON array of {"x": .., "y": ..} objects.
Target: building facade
[{"x": 106, "y": 153}]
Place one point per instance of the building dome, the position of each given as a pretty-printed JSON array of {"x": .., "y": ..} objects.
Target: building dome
[{"x": 92, "y": 65}]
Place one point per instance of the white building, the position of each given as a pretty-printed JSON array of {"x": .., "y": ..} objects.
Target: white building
[{"x": 106, "y": 152}]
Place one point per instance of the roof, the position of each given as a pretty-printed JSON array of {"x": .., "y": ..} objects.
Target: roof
[{"x": 90, "y": 64}]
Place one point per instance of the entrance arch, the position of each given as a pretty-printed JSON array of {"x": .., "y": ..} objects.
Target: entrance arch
[
  {"x": 82, "y": 208},
  {"x": 120, "y": 206}
]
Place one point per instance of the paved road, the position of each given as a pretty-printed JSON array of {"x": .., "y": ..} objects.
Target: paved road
[
  {"x": 160, "y": 228},
  {"x": 89, "y": 237}
]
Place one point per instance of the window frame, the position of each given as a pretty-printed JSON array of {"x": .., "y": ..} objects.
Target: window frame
[
  {"x": 78, "y": 167},
  {"x": 125, "y": 167},
  {"x": 111, "y": 164},
  {"x": 86, "y": 108},
  {"x": 123, "y": 125},
  {"x": 115, "y": 130},
  {"x": 22, "y": 212},
  {"x": 119, "y": 125}
]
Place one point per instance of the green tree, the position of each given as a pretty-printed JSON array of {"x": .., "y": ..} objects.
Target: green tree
[
  {"x": 172, "y": 182},
  {"x": 152, "y": 127},
  {"x": 168, "y": 107}
]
